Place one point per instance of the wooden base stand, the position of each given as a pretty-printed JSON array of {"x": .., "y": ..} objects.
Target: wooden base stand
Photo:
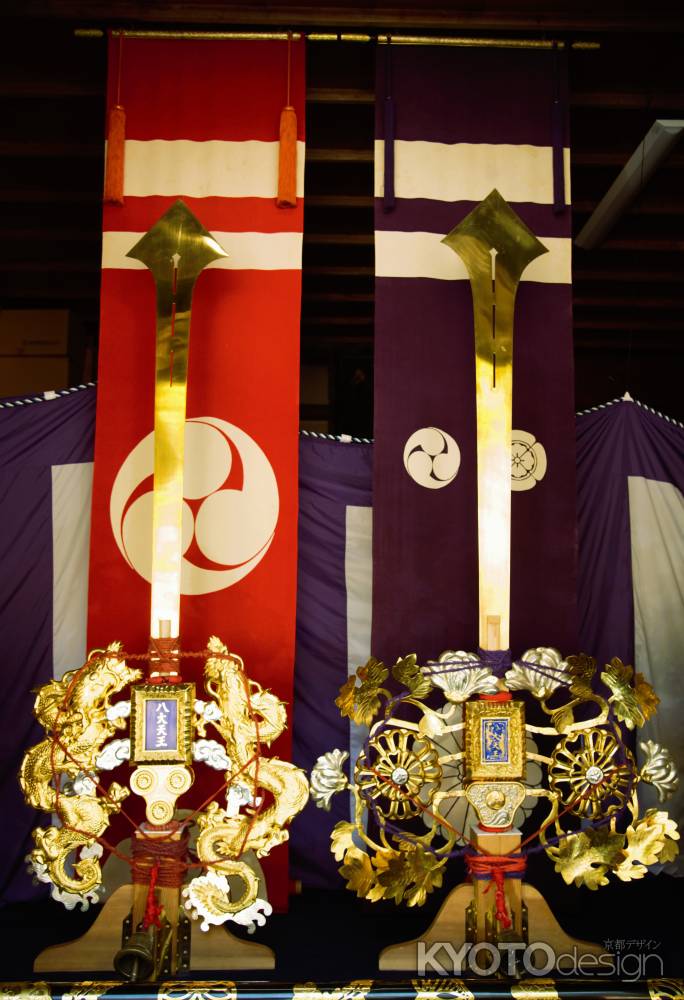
[
  {"x": 450, "y": 926},
  {"x": 95, "y": 950},
  {"x": 218, "y": 949}
]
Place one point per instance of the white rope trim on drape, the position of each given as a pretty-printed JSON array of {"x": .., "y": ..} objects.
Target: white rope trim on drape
[
  {"x": 46, "y": 397},
  {"x": 341, "y": 438}
]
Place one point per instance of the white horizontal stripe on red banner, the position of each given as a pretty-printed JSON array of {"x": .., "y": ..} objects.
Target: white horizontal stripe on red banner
[
  {"x": 214, "y": 168},
  {"x": 465, "y": 171},
  {"x": 423, "y": 255},
  {"x": 246, "y": 251}
]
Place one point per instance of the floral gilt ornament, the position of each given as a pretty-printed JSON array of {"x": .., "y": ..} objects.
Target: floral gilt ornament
[
  {"x": 469, "y": 746},
  {"x": 418, "y": 767},
  {"x": 105, "y": 713}
]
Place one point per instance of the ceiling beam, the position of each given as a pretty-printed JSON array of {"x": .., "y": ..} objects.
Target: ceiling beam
[
  {"x": 599, "y": 158},
  {"x": 339, "y": 239},
  {"x": 630, "y": 276},
  {"x": 631, "y": 100},
  {"x": 46, "y": 196},
  {"x": 40, "y": 149},
  {"x": 646, "y": 206},
  {"x": 391, "y": 17},
  {"x": 324, "y": 321},
  {"x": 51, "y": 88},
  {"x": 339, "y": 155},
  {"x": 628, "y": 302},
  {"x": 628, "y": 323},
  {"x": 338, "y": 297},
  {"x": 339, "y": 95},
  {"x": 340, "y": 271},
  {"x": 312, "y": 340}
]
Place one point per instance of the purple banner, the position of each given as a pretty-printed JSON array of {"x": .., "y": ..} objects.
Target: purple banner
[{"x": 467, "y": 122}]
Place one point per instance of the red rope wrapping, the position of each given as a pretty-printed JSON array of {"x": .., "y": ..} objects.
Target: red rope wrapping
[
  {"x": 496, "y": 868},
  {"x": 167, "y": 857},
  {"x": 163, "y": 661}
]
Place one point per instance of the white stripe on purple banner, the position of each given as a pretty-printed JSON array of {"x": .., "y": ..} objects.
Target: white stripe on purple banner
[
  {"x": 424, "y": 255},
  {"x": 464, "y": 171}
]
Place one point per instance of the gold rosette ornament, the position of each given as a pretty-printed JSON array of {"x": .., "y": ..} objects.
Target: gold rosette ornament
[
  {"x": 465, "y": 754},
  {"x": 416, "y": 762}
]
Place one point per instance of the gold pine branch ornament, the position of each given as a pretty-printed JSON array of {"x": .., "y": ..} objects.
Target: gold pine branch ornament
[
  {"x": 454, "y": 765},
  {"x": 101, "y": 716}
]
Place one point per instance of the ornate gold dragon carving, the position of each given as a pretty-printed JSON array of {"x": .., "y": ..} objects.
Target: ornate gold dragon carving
[
  {"x": 249, "y": 717},
  {"x": 60, "y": 775},
  {"x": 73, "y": 712}
]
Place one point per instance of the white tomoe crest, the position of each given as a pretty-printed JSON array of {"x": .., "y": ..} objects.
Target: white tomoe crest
[
  {"x": 431, "y": 458},
  {"x": 230, "y": 508}
]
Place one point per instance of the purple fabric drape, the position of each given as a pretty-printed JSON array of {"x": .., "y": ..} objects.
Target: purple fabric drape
[
  {"x": 614, "y": 443},
  {"x": 34, "y": 437},
  {"x": 331, "y": 477}
]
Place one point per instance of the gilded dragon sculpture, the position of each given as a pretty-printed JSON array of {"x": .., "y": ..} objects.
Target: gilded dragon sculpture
[{"x": 85, "y": 730}]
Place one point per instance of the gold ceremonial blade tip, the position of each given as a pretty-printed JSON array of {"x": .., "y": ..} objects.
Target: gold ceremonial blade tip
[
  {"x": 179, "y": 237},
  {"x": 493, "y": 225}
]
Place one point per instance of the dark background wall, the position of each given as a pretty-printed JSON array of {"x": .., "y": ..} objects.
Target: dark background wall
[{"x": 628, "y": 293}]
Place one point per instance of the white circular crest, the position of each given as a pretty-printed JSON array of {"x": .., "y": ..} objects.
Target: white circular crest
[
  {"x": 431, "y": 458},
  {"x": 231, "y": 527},
  {"x": 528, "y": 461}
]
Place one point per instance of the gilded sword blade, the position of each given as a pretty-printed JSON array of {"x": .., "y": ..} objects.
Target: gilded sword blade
[
  {"x": 176, "y": 250},
  {"x": 496, "y": 246}
]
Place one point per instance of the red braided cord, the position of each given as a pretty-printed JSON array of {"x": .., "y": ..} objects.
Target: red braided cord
[
  {"x": 496, "y": 867},
  {"x": 257, "y": 754},
  {"x": 152, "y": 907}
]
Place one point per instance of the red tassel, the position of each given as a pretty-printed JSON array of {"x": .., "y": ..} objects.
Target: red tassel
[
  {"x": 287, "y": 159},
  {"x": 116, "y": 146}
]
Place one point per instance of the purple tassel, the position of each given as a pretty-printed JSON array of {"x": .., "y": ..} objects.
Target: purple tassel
[
  {"x": 388, "y": 199},
  {"x": 558, "y": 135}
]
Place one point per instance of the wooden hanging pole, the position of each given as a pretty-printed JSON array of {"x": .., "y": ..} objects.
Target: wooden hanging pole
[{"x": 344, "y": 36}]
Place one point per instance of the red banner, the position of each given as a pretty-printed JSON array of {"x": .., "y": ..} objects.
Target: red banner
[{"x": 202, "y": 121}]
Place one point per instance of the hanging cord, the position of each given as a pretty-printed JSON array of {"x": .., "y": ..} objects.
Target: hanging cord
[{"x": 288, "y": 102}]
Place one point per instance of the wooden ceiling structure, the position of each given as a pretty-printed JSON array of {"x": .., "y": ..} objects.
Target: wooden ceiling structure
[{"x": 628, "y": 292}]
